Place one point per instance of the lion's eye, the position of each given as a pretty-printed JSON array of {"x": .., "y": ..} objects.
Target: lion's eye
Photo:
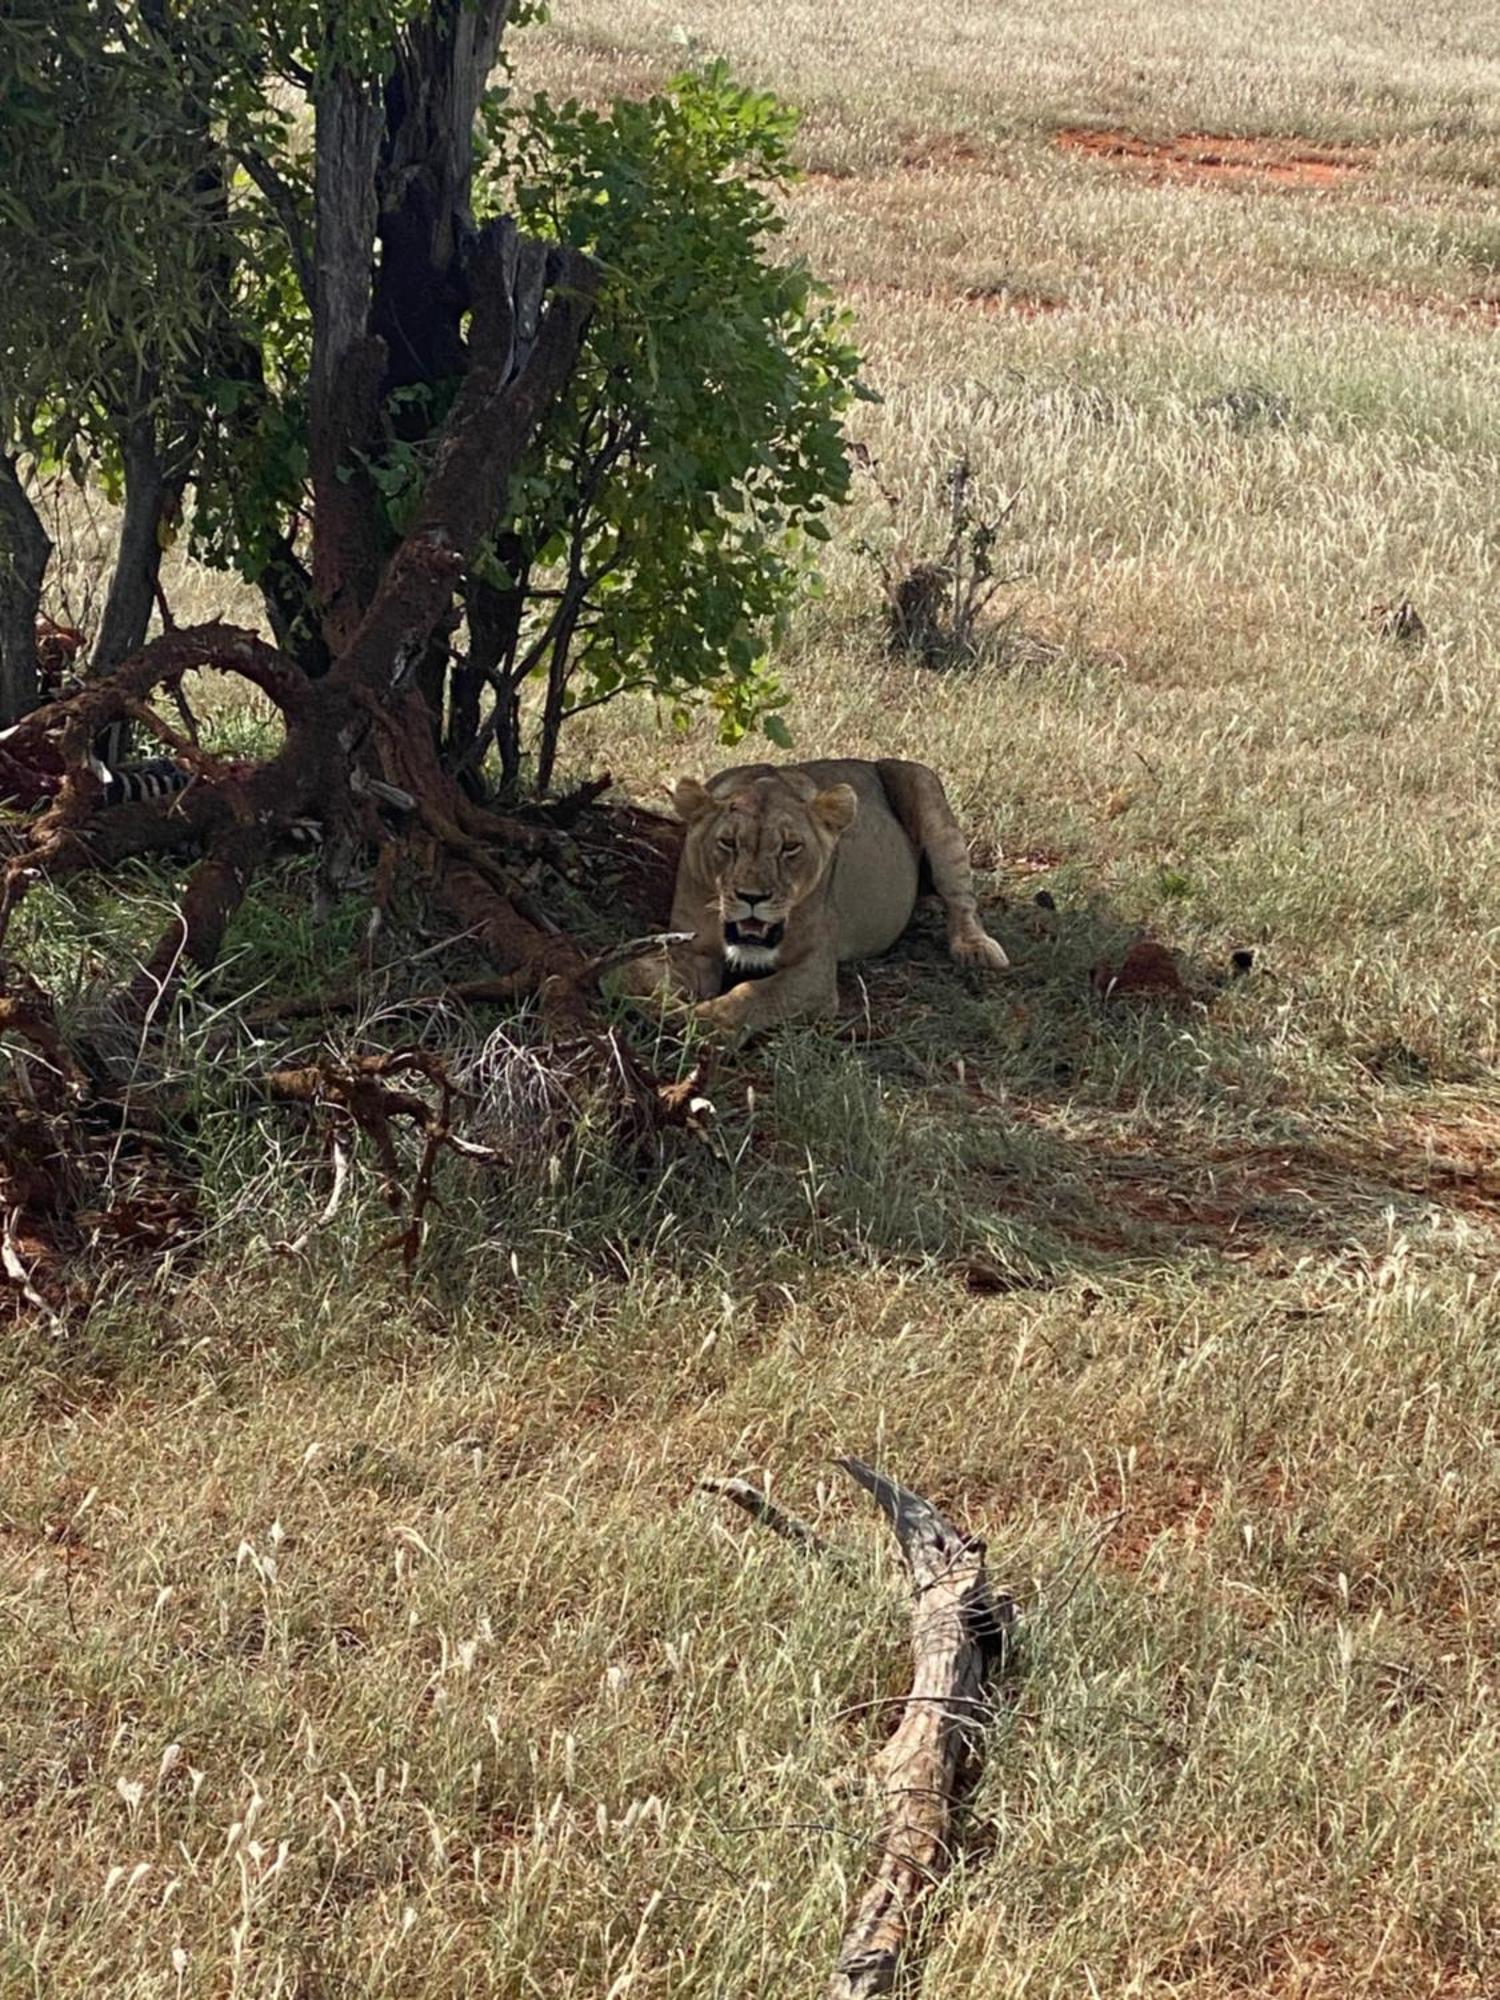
[
  {"x": 726, "y": 843},
  {"x": 790, "y": 848}
]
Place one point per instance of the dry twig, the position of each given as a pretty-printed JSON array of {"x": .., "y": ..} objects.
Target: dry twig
[{"x": 764, "y": 1510}]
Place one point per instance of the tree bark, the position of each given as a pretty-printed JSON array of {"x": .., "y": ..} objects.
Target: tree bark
[
  {"x": 132, "y": 586},
  {"x": 25, "y": 551},
  {"x": 443, "y": 64},
  {"x": 960, "y": 1633},
  {"x": 347, "y": 365},
  {"x": 393, "y": 170}
]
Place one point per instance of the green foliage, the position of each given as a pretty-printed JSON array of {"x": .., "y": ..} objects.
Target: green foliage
[
  {"x": 142, "y": 259},
  {"x": 701, "y": 444},
  {"x": 99, "y": 227},
  {"x": 144, "y": 263},
  {"x": 156, "y": 208}
]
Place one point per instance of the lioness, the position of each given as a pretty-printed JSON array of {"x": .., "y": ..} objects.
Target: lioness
[{"x": 788, "y": 869}]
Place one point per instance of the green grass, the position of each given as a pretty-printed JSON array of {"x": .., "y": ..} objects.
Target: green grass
[{"x": 364, "y": 1637}]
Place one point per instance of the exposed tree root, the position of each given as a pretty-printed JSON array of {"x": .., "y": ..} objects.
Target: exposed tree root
[
  {"x": 361, "y": 1101},
  {"x": 501, "y": 989}
]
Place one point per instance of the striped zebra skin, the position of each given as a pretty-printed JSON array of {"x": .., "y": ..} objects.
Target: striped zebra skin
[
  {"x": 152, "y": 778},
  {"x": 160, "y": 778}
]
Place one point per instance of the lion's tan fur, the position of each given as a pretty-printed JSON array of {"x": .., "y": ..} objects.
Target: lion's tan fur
[{"x": 822, "y": 862}]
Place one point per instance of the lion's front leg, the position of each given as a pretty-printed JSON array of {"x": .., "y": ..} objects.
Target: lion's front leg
[
  {"x": 675, "y": 974},
  {"x": 795, "y": 992}
]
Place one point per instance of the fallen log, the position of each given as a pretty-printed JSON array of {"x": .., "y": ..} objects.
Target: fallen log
[{"x": 962, "y": 1637}]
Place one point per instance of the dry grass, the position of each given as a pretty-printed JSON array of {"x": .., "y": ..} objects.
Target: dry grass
[{"x": 362, "y": 1642}]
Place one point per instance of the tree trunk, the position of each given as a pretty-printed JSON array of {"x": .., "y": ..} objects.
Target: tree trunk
[
  {"x": 425, "y": 228},
  {"x": 494, "y": 619},
  {"x": 347, "y": 364},
  {"x": 25, "y": 551},
  {"x": 517, "y": 308},
  {"x": 132, "y": 587},
  {"x": 553, "y": 711},
  {"x": 426, "y": 166}
]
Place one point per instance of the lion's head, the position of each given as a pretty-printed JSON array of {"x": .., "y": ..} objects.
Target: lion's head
[{"x": 762, "y": 849}]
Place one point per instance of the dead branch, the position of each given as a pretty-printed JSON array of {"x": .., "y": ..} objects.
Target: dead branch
[
  {"x": 363, "y": 1103},
  {"x": 564, "y": 812},
  {"x": 961, "y": 1635},
  {"x": 764, "y": 1510},
  {"x": 962, "y": 1638},
  {"x": 338, "y": 1153},
  {"x": 501, "y": 987}
]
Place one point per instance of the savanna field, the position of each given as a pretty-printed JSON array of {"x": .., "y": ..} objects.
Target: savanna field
[{"x": 365, "y": 1637}]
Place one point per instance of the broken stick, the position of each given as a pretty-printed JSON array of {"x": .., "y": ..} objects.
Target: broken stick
[
  {"x": 961, "y": 1635},
  {"x": 760, "y": 1508}
]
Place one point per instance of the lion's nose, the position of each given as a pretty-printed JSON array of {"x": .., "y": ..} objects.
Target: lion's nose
[{"x": 746, "y": 897}]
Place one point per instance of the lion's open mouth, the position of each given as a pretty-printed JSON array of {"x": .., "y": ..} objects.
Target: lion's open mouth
[{"x": 751, "y": 931}]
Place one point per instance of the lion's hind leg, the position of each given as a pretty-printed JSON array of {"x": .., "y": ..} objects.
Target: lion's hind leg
[{"x": 920, "y": 803}]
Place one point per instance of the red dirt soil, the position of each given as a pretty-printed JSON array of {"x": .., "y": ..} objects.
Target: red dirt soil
[
  {"x": 982, "y": 298},
  {"x": 1210, "y": 159},
  {"x": 921, "y": 153},
  {"x": 1482, "y": 313},
  {"x": 1147, "y": 970},
  {"x": 1155, "y": 1502}
]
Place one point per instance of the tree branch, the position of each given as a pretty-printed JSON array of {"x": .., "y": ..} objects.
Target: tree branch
[
  {"x": 72, "y": 836},
  {"x": 791, "y": 1527},
  {"x": 282, "y": 199},
  {"x": 610, "y": 694}
]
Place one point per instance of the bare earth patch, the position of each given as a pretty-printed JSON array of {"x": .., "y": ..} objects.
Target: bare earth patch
[
  {"x": 1211, "y": 159},
  {"x": 1481, "y": 314},
  {"x": 946, "y": 153},
  {"x": 987, "y": 297}
]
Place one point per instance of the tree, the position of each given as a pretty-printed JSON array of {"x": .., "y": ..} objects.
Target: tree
[{"x": 475, "y": 394}]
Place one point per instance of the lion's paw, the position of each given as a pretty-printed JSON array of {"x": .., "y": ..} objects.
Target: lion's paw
[
  {"x": 720, "y": 1013},
  {"x": 977, "y": 947}
]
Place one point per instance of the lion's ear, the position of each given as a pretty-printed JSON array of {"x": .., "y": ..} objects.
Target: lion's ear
[
  {"x": 836, "y": 807},
  {"x": 690, "y": 800}
]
